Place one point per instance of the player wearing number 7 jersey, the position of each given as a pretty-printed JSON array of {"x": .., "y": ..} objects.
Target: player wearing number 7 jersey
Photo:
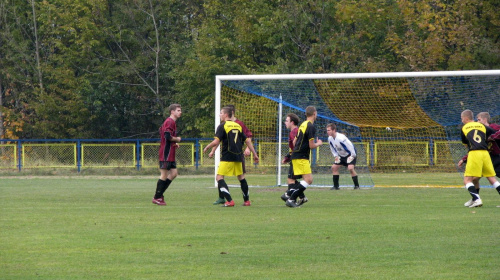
[
  {"x": 231, "y": 137},
  {"x": 475, "y": 135}
]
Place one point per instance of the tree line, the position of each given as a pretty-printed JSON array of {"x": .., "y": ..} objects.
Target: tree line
[{"x": 109, "y": 69}]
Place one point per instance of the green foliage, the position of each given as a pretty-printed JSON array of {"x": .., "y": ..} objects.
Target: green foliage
[{"x": 109, "y": 69}]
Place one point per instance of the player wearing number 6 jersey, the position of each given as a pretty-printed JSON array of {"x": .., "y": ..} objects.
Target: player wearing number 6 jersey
[
  {"x": 231, "y": 137},
  {"x": 475, "y": 135}
]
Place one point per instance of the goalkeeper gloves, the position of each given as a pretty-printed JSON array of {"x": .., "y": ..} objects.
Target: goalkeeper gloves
[
  {"x": 350, "y": 159},
  {"x": 337, "y": 159}
]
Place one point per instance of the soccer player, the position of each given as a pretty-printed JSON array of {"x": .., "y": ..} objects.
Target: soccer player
[
  {"x": 244, "y": 184},
  {"x": 231, "y": 137},
  {"x": 493, "y": 148},
  {"x": 475, "y": 135},
  {"x": 168, "y": 146},
  {"x": 344, "y": 153},
  {"x": 292, "y": 122},
  {"x": 302, "y": 146}
]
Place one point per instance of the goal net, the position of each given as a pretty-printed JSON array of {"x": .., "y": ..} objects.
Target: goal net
[{"x": 398, "y": 122}]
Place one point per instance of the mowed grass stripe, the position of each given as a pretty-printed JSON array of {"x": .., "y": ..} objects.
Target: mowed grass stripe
[{"x": 109, "y": 229}]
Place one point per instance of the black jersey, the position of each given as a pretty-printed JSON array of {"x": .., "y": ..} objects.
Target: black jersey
[
  {"x": 231, "y": 137},
  {"x": 475, "y": 135},
  {"x": 306, "y": 132}
]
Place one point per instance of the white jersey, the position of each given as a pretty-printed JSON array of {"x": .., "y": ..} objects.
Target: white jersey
[{"x": 341, "y": 146}]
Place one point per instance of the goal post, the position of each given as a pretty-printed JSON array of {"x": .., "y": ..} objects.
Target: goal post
[{"x": 398, "y": 122}]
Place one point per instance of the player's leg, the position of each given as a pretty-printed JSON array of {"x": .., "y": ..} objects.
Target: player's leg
[
  {"x": 291, "y": 183},
  {"x": 336, "y": 176},
  {"x": 171, "y": 174},
  {"x": 301, "y": 196},
  {"x": 301, "y": 167},
  {"x": 220, "y": 199},
  {"x": 469, "y": 185},
  {"x": 495, "y": 159},
  {"x": 304, "y": 183},
  {"x": 494, "y": 182},
  {"x": 224, "y": 189},
  {"x": 475, "y": 181},
  {"x": 161, "y": 185},
  {"x": 354, "y": 175},
  {"x": 473, "y": 170},
  {"x": 244, "y": 190}
]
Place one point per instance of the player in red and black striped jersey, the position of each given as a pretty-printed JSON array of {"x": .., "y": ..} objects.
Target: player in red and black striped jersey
[
  {"x": 291, "y": 122},
  {"x": 168, "y": 145},
  {"x": 479, "y": 164}
]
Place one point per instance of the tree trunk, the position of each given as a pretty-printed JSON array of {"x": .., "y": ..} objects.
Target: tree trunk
[
  {"x": 2, "y": 133},
  {"x": 157, "y": 61},
  {"x": 37, "y": 48}
]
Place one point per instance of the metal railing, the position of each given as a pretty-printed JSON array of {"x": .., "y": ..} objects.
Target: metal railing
[{"x": 143, "y": 153}]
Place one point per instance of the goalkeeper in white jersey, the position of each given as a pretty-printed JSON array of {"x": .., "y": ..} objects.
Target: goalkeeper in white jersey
[{"x": 344, "y": 153}]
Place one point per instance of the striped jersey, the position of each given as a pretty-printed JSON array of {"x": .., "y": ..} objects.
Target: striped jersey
[{"x": 167, "y": 147}]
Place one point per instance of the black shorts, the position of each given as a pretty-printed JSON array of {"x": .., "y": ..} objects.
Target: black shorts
[
  {"x": 290, "y": 173},
  {"x": 168, "y": 165},
  {"x": 495, "y": 159},
  {"x": 243, "y": 163},
  {"x": 343, "y": 161}
]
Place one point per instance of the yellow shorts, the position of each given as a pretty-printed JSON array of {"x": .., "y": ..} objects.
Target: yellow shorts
[
  {"x": 230, "y": 168},
  {"x": 301, "y": 166},
  {"x": 479, "y": 164}
]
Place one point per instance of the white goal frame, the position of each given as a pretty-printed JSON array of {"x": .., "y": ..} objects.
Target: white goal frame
[{"x": 220, "y": 78}]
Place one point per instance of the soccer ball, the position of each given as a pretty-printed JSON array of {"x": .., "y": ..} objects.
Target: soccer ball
[{"x": 388, "y": 129}]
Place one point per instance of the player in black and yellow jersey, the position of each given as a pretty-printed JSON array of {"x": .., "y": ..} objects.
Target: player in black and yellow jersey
[
  {"x": 231, "y": 137},
  {"x": 475, "y": 135},
  {"x": 303, "y": 144}
]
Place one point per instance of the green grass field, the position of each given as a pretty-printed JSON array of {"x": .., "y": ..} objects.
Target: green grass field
[{"x": 107, "y": 228}]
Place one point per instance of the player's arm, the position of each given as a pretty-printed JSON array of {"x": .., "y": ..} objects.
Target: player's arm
[
  {"x": 219, "y": 134},
  {"x": 248, "y": 134},
  {"x": 465, "y": 141},
  {"x": 336, "y": 156},
  {"x": 350, "y": 147},
  {"x": 247, "y": 150},
  {"x": 252, "y": 149},
  {"x": 463, "y": 160},
  {"x": 314, "y": 145},
  {"x": 214, "y": 148},
  {"x": 170, "y": 138},
  {"x": 332, "y": 148},
  {"x": 489, "y": 131},
  {"x": 494, "y": 136},
  {"x": 214, "y": 143}
]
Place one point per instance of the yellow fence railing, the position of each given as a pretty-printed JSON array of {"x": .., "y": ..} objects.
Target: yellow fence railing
[
  {"x": 49, "y": 155},
  {"x": 8, "y": 156},
  {"x": 145, "y": 155},
  {"x": 185, "y": 155},
  {"x": 108, "y": 155}
]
